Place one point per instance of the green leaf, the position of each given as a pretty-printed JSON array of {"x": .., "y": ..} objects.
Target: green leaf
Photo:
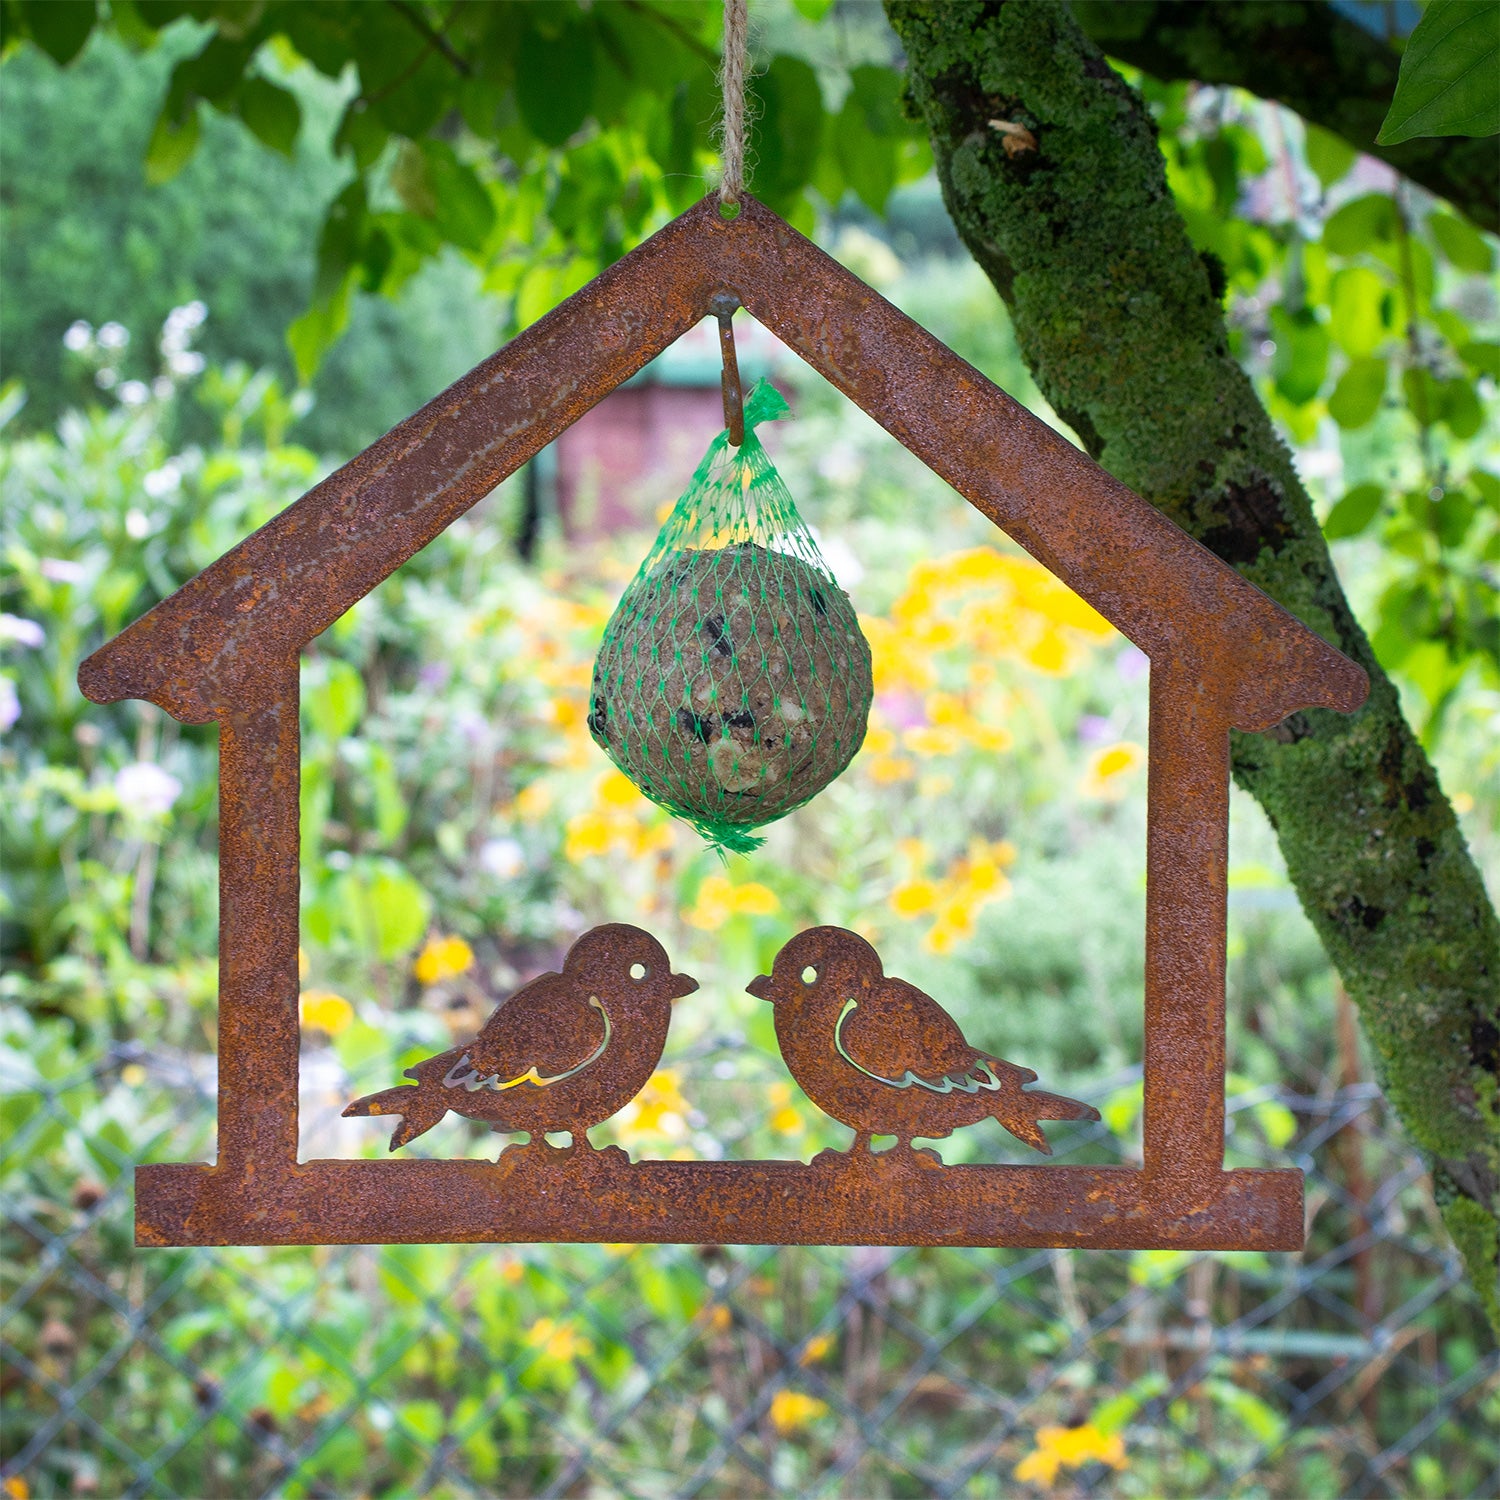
[
  {"x": 1301, "y": 358},
  {"x": 867, "y": 135},
  {"x": 555, "y": 82},
  {"x": 1465, "y": 247},
  {"x": 1357, "y": 396},
  {"x": 463, "y": 210},
  {"x": 814, "y": 10},
  {"x": 1459, "y": 407},
  {"x": 1362, "y": 224},
  {"x": 333, "y": 697},
  {"x": 1354, "y": 512},
  {"x": 59, "y": 27},
  {"x": 272, "y": 114},
  {"x": 1329, "y": 155},
  {"x": 361, "y": 135},
  {"x": 788, "y": 132},
  {"x": 1451, "y": 517},
  {"x": 171, "y": 145},
  {"x": 1359, "y": 310},
  {"x": 1482, "y": 357},
  {"x": 1449, "y": 82},
  {"x": 312, "y": 335}
]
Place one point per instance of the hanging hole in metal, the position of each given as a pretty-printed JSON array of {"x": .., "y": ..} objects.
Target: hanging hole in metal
[{"x": 723, "y": 308}]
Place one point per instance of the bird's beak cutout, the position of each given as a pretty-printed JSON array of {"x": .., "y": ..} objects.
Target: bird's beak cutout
[
  {"x": 760, "y": 987},
  {"x": 683, "y": 984}
]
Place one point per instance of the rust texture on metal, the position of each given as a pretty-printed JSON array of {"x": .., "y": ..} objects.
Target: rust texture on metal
[
  {"x": 225, "y": 647},
  {"x": 724, "y": 309},
  {"x": 561, "y": 1055}
]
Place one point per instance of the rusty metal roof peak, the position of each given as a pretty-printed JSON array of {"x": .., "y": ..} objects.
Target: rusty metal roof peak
[{"x": 222, "y": 638}]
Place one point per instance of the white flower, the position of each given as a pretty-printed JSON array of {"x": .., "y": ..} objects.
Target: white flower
[
  {"x": 106, "y": 379},
  {"x": 185, "y": 362},
  {"x": 163, "y": 481},
  {"x": 20, "y": 632},
  {"x": 135, "y": 393},
  {"x": 10, "y": 705},
  {"x": 503, "y": 858},
  {"x": 114, "y": 336},
  {"x": 78, "y": 337},
  {"x": 137, "y": 524},
  {"x": 62, "y": 570},
  {"x": 162, "y": 387},
  {"x": 145, "y": 790}
]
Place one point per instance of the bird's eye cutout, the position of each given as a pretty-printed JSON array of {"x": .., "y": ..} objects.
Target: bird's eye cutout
[
  {"x": 809, "y": 975},
  {"x": 638, "y": 971}
]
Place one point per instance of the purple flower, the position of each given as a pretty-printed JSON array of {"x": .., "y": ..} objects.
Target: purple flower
[
  {"x": 20, "y": 632},
  {"x": 145, "y": 790}
]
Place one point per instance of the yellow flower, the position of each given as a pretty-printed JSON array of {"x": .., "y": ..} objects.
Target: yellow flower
[
  {"x": 914, "y": 851},
  {"x": 791, "y": 1411},
  {"x": 589, "y": 833},
  {"x": 615, "y": 789},
  {"x": 443, "y": 958},
  {"x": 932, "y": 739},
  {"x": 133, "y": 1075},
  {"x": 658, "y": 1110},
  {"x": 719, "y": 899},
  {"x": 884, "y": 769},
  {"x": 1039, "y": 1467},
  {"x": 511, "y": 1270},
  {"x": 719, "y": 1319},
  {"x": 786, "y": 1121},
  {"x": 533, "y": 801},
  {"x": 620, "y": 821},
  {"x": 556, "y": 1340},
  {"x": 15, "y": 1488},
  {"x": 991, "y": 737},
  {"x": 817, "y": 1349},
  {"x": 301, "y": 964},
  {"x": 755, "y": 900},
  {"x": 913, "y": 898},
  {"x": 1109, "y": 769},
  {"x": 1071, "y": 1448},
  {"x": 324, "y": 1011}
]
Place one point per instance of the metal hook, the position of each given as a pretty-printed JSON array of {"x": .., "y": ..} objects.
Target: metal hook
[{"x": 723, "y": 308}]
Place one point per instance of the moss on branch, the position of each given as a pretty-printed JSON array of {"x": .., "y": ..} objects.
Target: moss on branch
[{"x": 1120, "y": 322}]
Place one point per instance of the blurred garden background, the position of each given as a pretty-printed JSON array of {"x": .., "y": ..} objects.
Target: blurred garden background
[{"x": 459, "y": 829}]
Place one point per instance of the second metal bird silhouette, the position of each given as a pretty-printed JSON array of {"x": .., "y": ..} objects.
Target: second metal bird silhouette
[{"x": 885, "y": 1059}]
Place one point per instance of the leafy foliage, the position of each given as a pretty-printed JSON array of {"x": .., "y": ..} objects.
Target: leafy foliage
[
  {"x": 1450, "y": 74},
  {"x": 1369, "y": 316},
  {"x": 542, "y": 140}
]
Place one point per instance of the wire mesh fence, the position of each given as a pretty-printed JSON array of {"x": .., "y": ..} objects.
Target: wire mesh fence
[{"x": 1359, "y": 1367}]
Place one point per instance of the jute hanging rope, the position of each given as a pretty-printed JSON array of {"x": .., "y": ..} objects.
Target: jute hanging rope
[{"x": 732, "y": 82}]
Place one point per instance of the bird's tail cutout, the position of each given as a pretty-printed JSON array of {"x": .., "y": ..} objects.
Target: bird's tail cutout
[
  {"x": 418, "y": 1108},
  {"x": 1019, "y": 1115}
]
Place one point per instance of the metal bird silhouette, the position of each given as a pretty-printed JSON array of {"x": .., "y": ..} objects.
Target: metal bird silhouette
[
  {"x": 883, "y": 1058},
  {"x": 563, "y": 1053}
]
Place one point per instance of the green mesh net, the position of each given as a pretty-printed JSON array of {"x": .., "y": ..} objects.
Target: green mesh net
[{"x": 733, "y": 681}]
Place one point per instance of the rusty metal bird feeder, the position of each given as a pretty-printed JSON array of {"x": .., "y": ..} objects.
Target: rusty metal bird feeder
[{"x": 225, "y": 648}]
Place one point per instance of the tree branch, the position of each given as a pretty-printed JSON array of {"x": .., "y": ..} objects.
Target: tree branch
[
  {"x": 1307, "y": 56},
  {"x": 1116, "y": 317}
]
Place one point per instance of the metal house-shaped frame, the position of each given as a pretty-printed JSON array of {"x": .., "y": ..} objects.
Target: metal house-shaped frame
[{"x": 226, "y": 646}]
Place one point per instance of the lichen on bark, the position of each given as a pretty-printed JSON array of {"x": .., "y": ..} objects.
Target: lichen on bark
[{"x": 1120, "y": 322}]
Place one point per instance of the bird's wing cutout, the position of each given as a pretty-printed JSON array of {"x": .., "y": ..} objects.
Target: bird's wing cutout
[
  {"x": 900, "y": 1036},
  {"x": 545, "y": 1033}
]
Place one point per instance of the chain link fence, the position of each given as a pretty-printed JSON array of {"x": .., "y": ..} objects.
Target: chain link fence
[{"x": 1360, "y": 1367}]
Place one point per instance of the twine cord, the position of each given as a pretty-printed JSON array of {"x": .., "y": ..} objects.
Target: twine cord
[{"x": 732, "y": 82}]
